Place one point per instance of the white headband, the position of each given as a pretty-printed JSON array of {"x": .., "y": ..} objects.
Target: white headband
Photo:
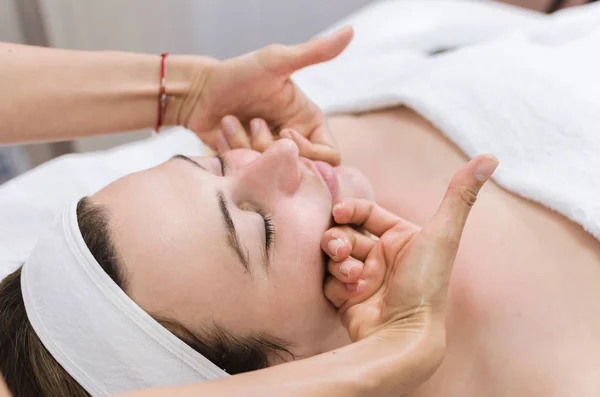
[{"x": 106, "y": 342}]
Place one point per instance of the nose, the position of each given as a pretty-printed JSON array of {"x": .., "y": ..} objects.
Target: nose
[{"x": 277, "y": 170}]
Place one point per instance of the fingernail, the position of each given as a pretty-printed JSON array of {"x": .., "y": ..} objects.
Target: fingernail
[
  {"x": 229, "y": 127},
  {"x": 334, "y": 246},
  {"x": 354, "y": 287},
  {"x": 346, "y": 268},
  {"x": 255, "y": 126},
  {"x": 337, "y": 208},
  {"x": 286, "y": 134},
  {"x": 485, "y": 169}
]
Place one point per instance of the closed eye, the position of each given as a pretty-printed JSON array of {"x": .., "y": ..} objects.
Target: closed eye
[{"x": 267, "y": 218}]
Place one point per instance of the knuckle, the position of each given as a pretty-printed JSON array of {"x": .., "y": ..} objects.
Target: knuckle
[
  {"x": 274, "y": 50},
  {"x": 466, "y": 195},
  {"x": 451, "y": 243},
  {"x": 368, "y": 211},
  {"x": 332, "y": 292}
]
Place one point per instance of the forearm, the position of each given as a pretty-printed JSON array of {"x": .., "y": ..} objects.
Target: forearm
[
  {"x": 366, "y": 368},
  {"x": 3, "y": 390},
  {"x": 52, "y": 94}
]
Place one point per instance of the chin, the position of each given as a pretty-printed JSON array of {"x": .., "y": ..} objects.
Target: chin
[{"x": 353, "y": 183}]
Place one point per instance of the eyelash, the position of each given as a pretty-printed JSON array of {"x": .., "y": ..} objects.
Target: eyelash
[
  {"x": 269, "y": 227},
  {"x": 267, "y": 218}
]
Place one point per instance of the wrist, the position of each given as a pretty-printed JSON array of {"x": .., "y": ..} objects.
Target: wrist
[
  {"x": 186, "y": 78},
  {"x": 413, "y": 355}
]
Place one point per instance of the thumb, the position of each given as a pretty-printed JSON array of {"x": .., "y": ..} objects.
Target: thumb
[
  {"x": 292, "y": 58},
  {"x": 444, "y": 230},
  {"x": 448, "y": 222}
]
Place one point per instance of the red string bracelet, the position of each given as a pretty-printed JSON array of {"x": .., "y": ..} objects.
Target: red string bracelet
[{"x": 162, "y": 92}]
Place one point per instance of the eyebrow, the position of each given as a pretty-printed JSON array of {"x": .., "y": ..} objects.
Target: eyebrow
[
  {"x": 233, "y": 239},
  {"x": 189, "y": 160}
]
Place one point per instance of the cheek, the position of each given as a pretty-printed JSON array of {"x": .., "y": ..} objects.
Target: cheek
[{"x": 299, "y": 251}]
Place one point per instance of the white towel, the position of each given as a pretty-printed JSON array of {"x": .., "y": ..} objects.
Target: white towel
[{"x": 530, "y": 97}]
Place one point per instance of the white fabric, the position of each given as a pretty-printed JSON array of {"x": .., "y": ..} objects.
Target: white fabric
[
  {"x": 107, "y": 343},
  {"x": 530, "y": 97}
]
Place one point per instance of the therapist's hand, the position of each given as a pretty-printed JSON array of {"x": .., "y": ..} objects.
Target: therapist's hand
[
  {"x": 258, "y": 85},
  {"x": 395, "y": 284}
]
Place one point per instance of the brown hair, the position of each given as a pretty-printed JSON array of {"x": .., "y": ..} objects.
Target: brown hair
[{"x": 30, "y": 370}]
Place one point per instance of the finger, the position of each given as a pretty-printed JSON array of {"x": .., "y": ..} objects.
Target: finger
[
  {"x": 311, "y": 150},
  {"x": 260, "y": 135},
  {"x": 340, "y": 293},
  {"x": 221, "y": 143},
  {"x": 339, "y": 242},
  {"x": 368, "y": 215},
  {"x": 288, "y": 59},
  {"x": 344, "y": 295},
  {"x": 446, "y": 227},
  {"x": 348, "y": 271},
  {"x": 234, "y": 132}
]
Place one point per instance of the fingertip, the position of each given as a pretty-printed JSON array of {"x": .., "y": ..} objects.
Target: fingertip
[
  {"x": 260, "y": 135},
  {"x": 255, "y": 126},
  {"x": 351, "y": 270},
  {"x": 286, "y": 133},
  {"x": 346, "y": 33},
  {"x": 355, "y": 288},
  {"x": 304, "y": 145},
  {"x": 337, "y": 42},
  {"x": 222, "y": 145},
  {"x": 485, "y": 166},
  {"x": 234, "y": 132},
  {"x": 335, "y": 291},
  {"x": 229, "y": 125},
  {"x": 298, "y": 136},
  {"x": 338, "y": 211},
  {"x": 338, "y": 248}
]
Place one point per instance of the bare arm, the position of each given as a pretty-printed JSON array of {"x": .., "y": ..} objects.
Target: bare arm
[
  {"x": 382, "y": 367},
  {"x": 52, "y": 94},
  {"x": 3, "y": 390}
]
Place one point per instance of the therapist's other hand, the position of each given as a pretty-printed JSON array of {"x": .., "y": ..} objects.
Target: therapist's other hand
[
  {"x": 258, "y": 85},
  {"x": 396, "y": 283},
  {"x": 233, "y": 135}
]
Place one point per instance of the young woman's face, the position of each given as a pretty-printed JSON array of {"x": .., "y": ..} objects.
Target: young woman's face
[{"x": 235, "y": 245}]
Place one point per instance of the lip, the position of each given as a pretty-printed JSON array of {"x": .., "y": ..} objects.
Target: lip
[{"x": 330, "y": 178}]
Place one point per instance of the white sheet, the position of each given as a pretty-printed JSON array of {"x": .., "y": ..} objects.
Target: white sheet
[
  {"x": 530, "y": 96},
  {"x": 386, "y": 64}
]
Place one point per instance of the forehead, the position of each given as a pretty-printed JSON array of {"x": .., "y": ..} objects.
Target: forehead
[{"x": 161, "y": 220}]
